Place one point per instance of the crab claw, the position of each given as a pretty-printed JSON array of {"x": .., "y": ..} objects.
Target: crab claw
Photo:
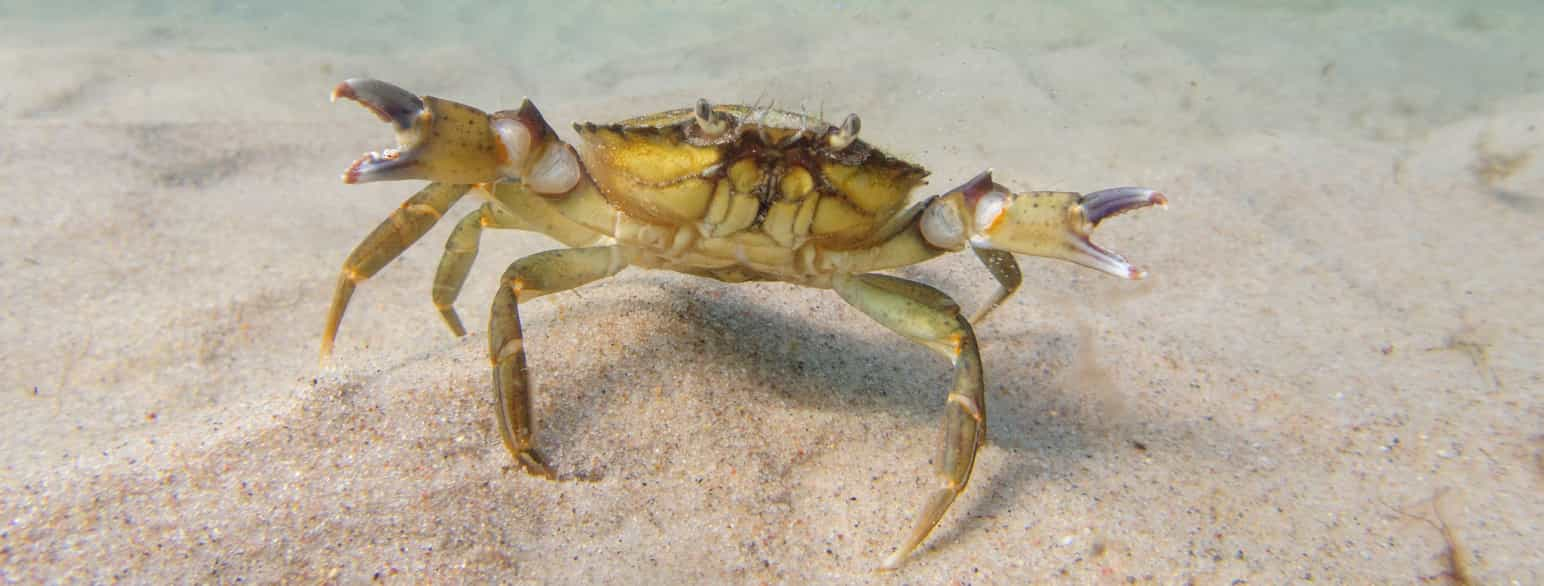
[
  {"x": 437, "y": 140},
  {"x": 1053, "y": 224},
  {"x": 390, "y": 103},
  {"x": 1093, "y": 208}
]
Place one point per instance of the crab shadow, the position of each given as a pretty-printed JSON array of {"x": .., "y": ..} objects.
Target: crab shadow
[{"x": 826, "y": 355}]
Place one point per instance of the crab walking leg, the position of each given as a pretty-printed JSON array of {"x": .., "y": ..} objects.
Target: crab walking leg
[
  {"x": 514, "y": 208},
  {"x": 460, "y": 251},
  {"x": 1005, "y": 269},
  {"x": 929, "y": 317},
  {"x": 404, "y": 227},
  {"x": 528, "y": 278}
]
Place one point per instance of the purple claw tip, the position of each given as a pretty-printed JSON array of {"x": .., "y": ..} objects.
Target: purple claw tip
[
  {"x": 388, "y": 102},
  {"x": 1112, "y": 202}
]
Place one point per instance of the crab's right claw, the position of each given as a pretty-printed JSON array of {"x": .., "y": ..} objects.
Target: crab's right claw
[
  {"x": 437, "y": 140},
  {"x": 1057, "y": 224},
  {"x": 1053, "y": 224}
]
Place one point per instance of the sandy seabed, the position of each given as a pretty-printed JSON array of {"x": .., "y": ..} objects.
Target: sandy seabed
[{"x": 1333, "y": 373}]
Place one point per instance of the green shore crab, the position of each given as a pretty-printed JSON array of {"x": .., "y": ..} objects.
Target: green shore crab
[{"x": 726, "y": 192}]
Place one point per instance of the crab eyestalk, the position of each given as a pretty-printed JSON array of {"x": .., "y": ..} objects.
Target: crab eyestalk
[
  {"x": 1052, "y": 224},
  {"x": 845, "y": 134},
  {"x": 711, "y": 124},
  {"x": 437, "y": 140}
]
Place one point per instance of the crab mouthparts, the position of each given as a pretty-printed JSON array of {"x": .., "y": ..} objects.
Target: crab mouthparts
[{"x": 391, "y": 104}]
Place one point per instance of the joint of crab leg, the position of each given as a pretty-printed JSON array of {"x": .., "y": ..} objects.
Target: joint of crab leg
[
  {"x": 943, "y": 223},
  {"x": 528, "y": 149},
  {"x": 951, "y": 220},
  {"x": 556, "y": 172},
  {"x": 438, "y": 140},
  {"x": 515, "y": 144},
  {"x": 846, "y": 133}
]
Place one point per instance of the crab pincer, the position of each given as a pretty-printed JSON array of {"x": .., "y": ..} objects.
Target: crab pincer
[{"x": 437, "y": 139}]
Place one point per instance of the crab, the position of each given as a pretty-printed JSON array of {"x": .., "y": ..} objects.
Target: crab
[{"x": 727, "y": 192}]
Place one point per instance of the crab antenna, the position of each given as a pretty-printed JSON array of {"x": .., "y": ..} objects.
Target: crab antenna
[
  {"x": 847, "y": 133},
  {"x": 761, "y": 117},
  {"x": 756, "y": 105},
  {"x": 804, "y": 127}
]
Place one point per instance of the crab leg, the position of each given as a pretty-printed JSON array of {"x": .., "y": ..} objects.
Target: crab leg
[
  {"x": 460, "y": 251},
  {"x": 400, "y": 230},
  {"x": 526, "y": 279},
  {"x": 929, "y": 317},
  {"x": 514, "y": 208},
  {"x": 455, "y": 144},
  {"x": 1005, "y": 269}
]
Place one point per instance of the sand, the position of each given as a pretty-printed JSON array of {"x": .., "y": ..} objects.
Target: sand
[{"x": 1333, "y": 373}]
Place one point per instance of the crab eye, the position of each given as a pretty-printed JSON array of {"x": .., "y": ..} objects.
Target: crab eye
[
  {"x": 711, "y": 123},
  {"x": 846, "y": 134}
]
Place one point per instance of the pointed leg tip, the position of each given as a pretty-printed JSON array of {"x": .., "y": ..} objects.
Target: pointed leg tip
[
  {"x": 453, "y": 321},
  {"x": 535, "y": 465},
  {"x": 1159, "y": 199}
]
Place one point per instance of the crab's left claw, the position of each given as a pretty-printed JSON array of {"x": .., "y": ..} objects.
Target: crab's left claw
[
  {"x": 1054, "y": 224},
  {"x": 437, "y": 140}
]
